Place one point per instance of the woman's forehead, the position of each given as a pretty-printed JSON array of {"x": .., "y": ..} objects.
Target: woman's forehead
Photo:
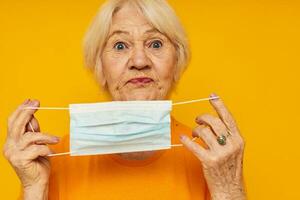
[
  {"x": 127, "y": 9},
  {"x": 130, "y": 25},
  {"x": 129, "y": 15},
  {"x": 130, "y": 32}
]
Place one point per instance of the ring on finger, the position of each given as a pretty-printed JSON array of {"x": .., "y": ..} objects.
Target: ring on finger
[{"x": 222, "y": 139}]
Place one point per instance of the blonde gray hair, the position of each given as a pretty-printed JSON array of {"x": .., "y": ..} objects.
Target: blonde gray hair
[{"x": 158, "y": 13}]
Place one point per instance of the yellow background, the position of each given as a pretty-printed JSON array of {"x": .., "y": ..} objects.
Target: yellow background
[{"x": 245, "y": 51}]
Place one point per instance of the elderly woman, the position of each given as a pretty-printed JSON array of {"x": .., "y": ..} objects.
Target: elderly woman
[{"x": 138, "y": 50}]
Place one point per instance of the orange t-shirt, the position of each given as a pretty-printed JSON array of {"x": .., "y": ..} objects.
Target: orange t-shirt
[{"x": 169, "y": 174}]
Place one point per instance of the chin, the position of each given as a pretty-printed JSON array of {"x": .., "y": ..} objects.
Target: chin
[
  {"x": 137, "y": 95},
  {"x": 140, "y": 94}
]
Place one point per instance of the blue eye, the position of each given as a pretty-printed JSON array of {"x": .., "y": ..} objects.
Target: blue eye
[
  {"x": 156, "y": 44},
  {"x": 119, "y": 46}
]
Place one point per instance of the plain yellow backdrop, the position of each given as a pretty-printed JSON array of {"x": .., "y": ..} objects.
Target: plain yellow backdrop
[{"x": 245, "y": 51}]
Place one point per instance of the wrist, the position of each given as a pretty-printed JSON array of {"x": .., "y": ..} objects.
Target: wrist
[
  {"x": 36, "y": 192},
  {"x": 220, "y": 196},
  {"x": 232, "y": 195},
  {"x": 234, "y": 192}
]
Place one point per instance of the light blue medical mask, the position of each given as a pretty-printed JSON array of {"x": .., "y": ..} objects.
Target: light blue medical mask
[{"x": 119, "y": 126}]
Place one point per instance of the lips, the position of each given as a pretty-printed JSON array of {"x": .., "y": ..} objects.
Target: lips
[{"x": 140, "y": 80}]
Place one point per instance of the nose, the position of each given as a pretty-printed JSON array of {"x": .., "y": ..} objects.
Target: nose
[{"x": 139, "y": 60}]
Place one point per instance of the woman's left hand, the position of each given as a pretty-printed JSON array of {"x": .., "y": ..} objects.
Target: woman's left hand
[{"x": 222, "y": 163}]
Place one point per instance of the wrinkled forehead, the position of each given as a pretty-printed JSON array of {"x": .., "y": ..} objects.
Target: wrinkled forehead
[{"x": 129, "y": 18}]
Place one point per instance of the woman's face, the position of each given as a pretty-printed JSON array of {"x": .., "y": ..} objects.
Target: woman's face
[{"x": 138, "y": 62}]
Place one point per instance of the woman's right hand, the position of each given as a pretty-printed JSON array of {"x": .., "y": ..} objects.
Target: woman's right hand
[{"x": 27, "y": 149}]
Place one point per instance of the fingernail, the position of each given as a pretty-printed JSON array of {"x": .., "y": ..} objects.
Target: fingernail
[
  {"x": 214, "y": 95},
  {"x": 26, "y": 101},
  {"x": 198, "y": 121},
  {"x": 56, "y": 139},
  {"x": 34, "y": 103},
  {"x": 182, "y": 137}
]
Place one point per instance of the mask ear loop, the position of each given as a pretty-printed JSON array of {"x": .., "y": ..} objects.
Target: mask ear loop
[
  {"x": 67, "y": 153},
  {"x": 180, "y": 145},
  {"x": 31, "y": 127},
  {"x": 67, "y": 108}
]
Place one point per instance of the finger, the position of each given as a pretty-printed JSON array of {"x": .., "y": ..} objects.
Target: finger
[
  {"x": 14, "y": 115},
  {"x": 214, "y": 123},
  {"x": 34, "y": 151},
  {"x": 195, "y": 148},
  {"x": 223, "y": 113},
  {"x": 195, "y": 133},
  {"x": 20, "y": 122},
  {"x": 206, "y": 134},
  {"x": 30, "y": 138},
  {"x": 33, "y": 125}
]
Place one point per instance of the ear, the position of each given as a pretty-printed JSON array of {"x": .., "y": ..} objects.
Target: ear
[
  {"x": 176, "y": 74},
  {"x": 175, "y": 78},
  {"x": 100, "y": 73}
]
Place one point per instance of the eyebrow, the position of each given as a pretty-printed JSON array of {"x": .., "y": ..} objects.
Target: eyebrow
[
  {"x": 117, "y": 32},
  {"x": 152, "y": 30}
]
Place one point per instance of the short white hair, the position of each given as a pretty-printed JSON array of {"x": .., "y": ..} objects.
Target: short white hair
[{"x": 158, "y": 13}]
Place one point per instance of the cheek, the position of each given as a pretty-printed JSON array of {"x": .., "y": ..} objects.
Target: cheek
[
  {"x": 113, "y": 67},
  {"x": 165, "y": 67}
]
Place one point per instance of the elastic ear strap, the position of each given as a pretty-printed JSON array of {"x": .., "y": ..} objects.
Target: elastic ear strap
[
  {"x": 46, "y": 108},
  {"x": 193, "y": 101},
  {"x": 31, "y": 127},
  {"x": 174, "y": 104},
  {"x": 67, "y": 153}
]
